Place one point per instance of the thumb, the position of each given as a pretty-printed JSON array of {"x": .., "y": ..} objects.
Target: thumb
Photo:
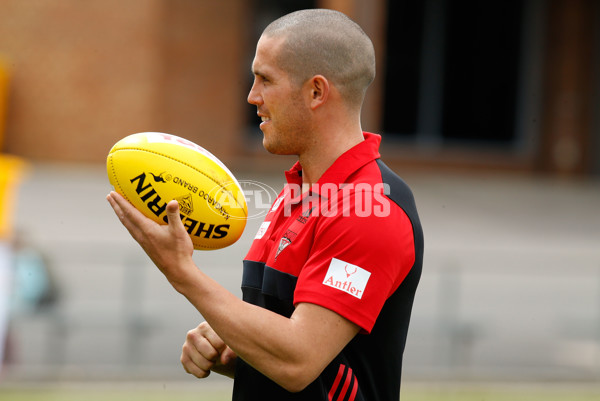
[
  {"x": 176, "y": 228},
  {"x": 227, "y": 355},
  {"x": 173, "y": 215}
]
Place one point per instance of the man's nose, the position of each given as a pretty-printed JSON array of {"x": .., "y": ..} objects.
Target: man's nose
[{"x": 254, "y": 97}]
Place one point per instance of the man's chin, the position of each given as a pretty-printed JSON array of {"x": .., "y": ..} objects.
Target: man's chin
[{"x": 276, "y": 149}]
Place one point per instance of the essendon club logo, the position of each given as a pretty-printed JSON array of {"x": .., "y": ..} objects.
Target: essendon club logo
[{"x": 285, "y": 241}]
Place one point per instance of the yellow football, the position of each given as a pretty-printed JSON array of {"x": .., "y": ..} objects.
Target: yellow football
[{"x": 151, "y": 168}]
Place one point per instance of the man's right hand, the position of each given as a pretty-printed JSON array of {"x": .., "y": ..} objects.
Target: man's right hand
[{"x": 204, "y": 352}]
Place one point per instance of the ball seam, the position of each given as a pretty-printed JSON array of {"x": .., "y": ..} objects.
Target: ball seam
[{"x": 184, "y": 163}]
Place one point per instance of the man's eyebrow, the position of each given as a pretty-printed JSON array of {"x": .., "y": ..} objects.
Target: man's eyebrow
[{"x": 260, "y": 74}]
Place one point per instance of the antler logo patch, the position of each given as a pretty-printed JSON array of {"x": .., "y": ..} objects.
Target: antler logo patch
[{"x": 347, "y": 277}]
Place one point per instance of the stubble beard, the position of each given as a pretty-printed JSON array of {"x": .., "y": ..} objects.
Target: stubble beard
[{"x": 290, "y": 136}]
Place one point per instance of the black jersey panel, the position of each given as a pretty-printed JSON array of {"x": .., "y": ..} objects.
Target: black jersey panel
[
  {"x": 269, "y": 288},
  {"x": 401, "y": 195},
  {"x": 400, "y": 192},
  {"x": 336, "y": 382},
  {"x": 377, "y": 357}
]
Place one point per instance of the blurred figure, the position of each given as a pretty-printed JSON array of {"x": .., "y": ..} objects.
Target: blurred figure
[
  {"x": 11, "y": 172},
  {"x": 11, "y": 169},
  {"x": 5, "y": 287},
  {"x": 33, "y": 288}
]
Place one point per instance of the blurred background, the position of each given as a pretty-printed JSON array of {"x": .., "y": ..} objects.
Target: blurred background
[{"x": 490, "y": 110}]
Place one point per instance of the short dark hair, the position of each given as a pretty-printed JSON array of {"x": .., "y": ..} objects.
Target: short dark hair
[{"x": 326, "y": 42}]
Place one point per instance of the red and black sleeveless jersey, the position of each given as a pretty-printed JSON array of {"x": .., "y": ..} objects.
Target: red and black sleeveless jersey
[{"x": 351, "y": 243}]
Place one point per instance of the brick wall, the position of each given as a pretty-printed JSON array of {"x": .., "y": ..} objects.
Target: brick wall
[{"x": 86, "y": 73}]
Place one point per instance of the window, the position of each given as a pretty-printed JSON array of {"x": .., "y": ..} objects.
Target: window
[{"x": 453, "y": 71}]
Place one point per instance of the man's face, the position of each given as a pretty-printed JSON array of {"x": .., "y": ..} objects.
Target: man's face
[{"x": 279, "y": 102}]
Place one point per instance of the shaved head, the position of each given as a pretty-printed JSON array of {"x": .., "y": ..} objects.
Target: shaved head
[{"x": 326, "y": 42}]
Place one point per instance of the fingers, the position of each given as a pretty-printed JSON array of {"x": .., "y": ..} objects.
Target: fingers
[
  {"x": 203, "y": 349},
  {"x": 196, "y": 366},
  {"x": 213, "y": 338},
  {"x": 129, "y": 216},
  {"x": 136, "y": 223},
  {"x": 168, "y": 246},
  {"x": 196, "y": 356},
  {"x": 112, "y": 199},
  {"x": 120, "y": 210},
  {"x": 119, "y": 204}
]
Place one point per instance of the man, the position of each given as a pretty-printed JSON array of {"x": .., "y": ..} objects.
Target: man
[{"x": 329, "y": 280}]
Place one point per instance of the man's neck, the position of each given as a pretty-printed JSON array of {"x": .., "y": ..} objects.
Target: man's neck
[{"x": 315, "y": 162}]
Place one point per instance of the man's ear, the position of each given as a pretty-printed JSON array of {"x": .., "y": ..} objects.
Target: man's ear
[{"x": 318, "y": 87}]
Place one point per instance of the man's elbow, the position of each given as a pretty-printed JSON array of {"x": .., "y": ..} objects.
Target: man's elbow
[{"x": 296, "y": 378}]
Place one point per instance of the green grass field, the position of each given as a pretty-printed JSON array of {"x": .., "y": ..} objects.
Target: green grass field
[
  {"x": 422, "y": 392},
  {"x": 95, "y": 394}
]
